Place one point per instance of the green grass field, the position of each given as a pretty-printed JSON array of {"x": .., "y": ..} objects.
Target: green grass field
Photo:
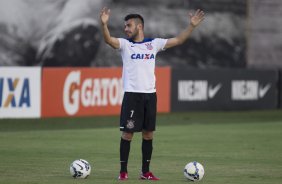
[{"x": 234, "y": 147}]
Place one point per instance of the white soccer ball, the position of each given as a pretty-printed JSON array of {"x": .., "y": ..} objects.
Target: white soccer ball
[
  {"x": 80, "y": 169},
  {"x": 194, "y": 171}
]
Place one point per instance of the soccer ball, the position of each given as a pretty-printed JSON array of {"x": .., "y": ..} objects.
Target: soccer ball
[
  {"x": 80, "y": 169},
  {"x": 194, "y": 171}
]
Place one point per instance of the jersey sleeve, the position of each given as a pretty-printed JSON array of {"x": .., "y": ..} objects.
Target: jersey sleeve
[
  {"x": 160, "y": 43},
  {"x": 122, "y": 43}
]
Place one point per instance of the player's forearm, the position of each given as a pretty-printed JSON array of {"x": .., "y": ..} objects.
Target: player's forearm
[
  {"x": 113, "y": 42},
  {"x": 106, "y": 33},
  {"x": 184, "y": 35}
]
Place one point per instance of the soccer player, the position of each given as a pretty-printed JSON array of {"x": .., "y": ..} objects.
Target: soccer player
[{"x": 138, "y": 111}]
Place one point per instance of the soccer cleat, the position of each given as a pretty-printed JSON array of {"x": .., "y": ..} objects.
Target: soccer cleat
[
  {"x": 123, "y": 176},
  {"x": 148, "y": 176}
]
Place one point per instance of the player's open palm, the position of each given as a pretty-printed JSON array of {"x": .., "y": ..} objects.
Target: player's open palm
[
  {"x": 105, "y": 15},
  {"x": 196, "y": 18}
]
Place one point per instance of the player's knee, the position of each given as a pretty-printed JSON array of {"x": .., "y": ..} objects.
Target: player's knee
[
  {"x": 147, "y": 135},
  {"x": 127, "y": 136}
]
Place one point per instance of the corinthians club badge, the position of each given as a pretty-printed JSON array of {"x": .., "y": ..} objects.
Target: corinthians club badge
[
  {"x": 149, "y": 46},
  {"x": 130, "y": 124}
]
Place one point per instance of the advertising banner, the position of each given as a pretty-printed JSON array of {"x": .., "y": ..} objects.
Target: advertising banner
[
  {"x": 223, "y": 89},
  {"x": 91, "y": 91},
  {"x": 20, "y": 92}
]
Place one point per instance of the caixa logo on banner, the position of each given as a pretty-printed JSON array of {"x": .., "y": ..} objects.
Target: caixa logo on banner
[
  {"x": 248, "y": 90},
  {"x": 14, "y": 92},
  {"x": 197, "y": 90}
]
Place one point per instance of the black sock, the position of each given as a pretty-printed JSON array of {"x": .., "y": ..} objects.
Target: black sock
[
  {"x": 147, "y": 149},
  {"x": 124, "y": 153}
]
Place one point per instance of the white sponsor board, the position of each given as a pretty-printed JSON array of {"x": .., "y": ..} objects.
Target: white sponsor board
[
  {"x": 20, "y": 92},
  {"x": 248, "y": 90},
  {"x": 196, "y": 90}
]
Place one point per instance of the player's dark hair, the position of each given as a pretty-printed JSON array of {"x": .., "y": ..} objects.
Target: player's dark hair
[{"x": 134, "y": 16}]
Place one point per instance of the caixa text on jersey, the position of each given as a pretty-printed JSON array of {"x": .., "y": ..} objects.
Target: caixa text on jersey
[{"x": 142, "y": 56}]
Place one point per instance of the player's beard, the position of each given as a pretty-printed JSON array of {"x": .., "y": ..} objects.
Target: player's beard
[{"x": 132, "y": 35}]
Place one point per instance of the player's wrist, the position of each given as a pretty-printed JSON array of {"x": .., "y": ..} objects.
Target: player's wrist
[
  {"x": 193, "y": 25},
  {"x": 104, "y": 23}
]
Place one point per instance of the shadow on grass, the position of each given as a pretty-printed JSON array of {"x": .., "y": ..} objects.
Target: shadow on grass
[
  {"x": 7, "y": 125},
  {"x": 13, "y": 125}
]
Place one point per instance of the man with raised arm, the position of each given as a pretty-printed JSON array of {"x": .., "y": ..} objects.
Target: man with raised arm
[{"x": 139, "y": 105}]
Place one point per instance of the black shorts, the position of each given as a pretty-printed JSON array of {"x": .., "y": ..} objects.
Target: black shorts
[{"x": 138, "y": 112}]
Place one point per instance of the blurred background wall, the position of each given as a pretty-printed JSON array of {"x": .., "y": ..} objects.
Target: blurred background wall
[
  {"x": 265, "y": 34},
  {"x": 235, "y": 33}
]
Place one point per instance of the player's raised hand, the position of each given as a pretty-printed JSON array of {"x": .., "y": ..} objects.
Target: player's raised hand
[
  {"x": 196, "y": 18},
  {"x": 105, "y": 15}
]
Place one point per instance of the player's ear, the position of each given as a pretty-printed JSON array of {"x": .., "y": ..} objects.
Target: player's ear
[{"x": 140, "y": 26}]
